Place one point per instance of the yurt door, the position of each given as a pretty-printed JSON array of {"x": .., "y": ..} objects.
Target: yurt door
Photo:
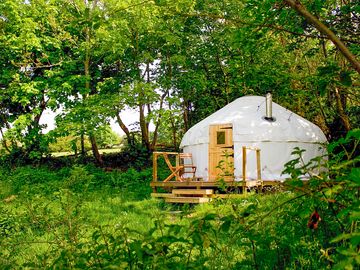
[{"x": 221, "y": 152}]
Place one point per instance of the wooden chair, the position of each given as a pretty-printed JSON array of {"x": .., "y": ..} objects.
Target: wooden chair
[
  {"x": 175, "y": 170},
  {"x": 187, "y": 165}
]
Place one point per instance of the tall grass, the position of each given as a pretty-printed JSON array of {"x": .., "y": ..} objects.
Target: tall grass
[{"x": 81, "y": 217}]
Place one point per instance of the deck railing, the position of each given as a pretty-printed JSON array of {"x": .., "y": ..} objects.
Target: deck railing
[
  {"x": 174, "y": 169},
  {"x": 258, "y": 165}
]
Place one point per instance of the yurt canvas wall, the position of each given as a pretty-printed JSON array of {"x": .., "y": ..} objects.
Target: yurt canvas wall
[{"x": 244, "y": 118}]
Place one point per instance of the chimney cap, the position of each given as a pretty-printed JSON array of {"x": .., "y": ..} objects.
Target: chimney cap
[{"x": 268, "y": 115}]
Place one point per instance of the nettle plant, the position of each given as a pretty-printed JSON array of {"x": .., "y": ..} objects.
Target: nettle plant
[
  {"x": 334, "y": 194},
  {"x": 226, "y": 167}
]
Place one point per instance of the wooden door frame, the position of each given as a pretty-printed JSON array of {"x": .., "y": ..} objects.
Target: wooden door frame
[{"x": 212, "y": 145}]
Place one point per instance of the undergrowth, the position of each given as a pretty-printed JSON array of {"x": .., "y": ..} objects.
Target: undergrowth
[{"x": 84, "y": 218}]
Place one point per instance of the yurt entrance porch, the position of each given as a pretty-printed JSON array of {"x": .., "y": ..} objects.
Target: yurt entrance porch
[{"x": 182, "y": 186}]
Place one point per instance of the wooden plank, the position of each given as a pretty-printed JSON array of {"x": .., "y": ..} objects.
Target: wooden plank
[
  {"x": 155, "y": 155},
  {"x": 258, "y": 165},
  {"x": 167, "y": 161},
  {"x": 187, "y": 200},
  {"x": 168, "y": 153},
  {"x": 174, "y": 173},
  {"x": 251, "y": 148},
  {"x": 184, "y": 184},
  {"x": 186, "y": 161},
  {"x": 244, "y": 167},
  {"x": 212, "y": 184},
  {"x": 192, "y": 191},
  {"x": 228, "y": 196},
  {"x": 189, "y": 179},
  {"x": 253, "y": 183},
  {"x": 161, "y": 195},
  {"x": 177, "y": 165},
  {"x": 174, "y": 169},
  {"x": 274, "y": 183}
]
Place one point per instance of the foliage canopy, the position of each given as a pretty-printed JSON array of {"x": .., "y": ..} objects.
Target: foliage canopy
[{"x": 174, "y": 62}]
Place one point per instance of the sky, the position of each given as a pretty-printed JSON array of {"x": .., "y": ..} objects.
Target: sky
[{"x": 128, "y": 116}]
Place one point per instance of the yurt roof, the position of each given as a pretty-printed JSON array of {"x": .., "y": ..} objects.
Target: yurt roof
[{"x": 246, "y": 114}]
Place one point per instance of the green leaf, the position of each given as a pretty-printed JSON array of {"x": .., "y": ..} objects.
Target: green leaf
[
  {"x": 344, "y": 236},
  {"x": 344, "y": 265},
  {"x": 197, "y": 239},
  {"x": 225, "y": 226},
  {"x": 210, "y": 217},
  {"x": 355, "y": 133},
  {"x": 345, "y": 78},
  {"x": 355, "y": 175}
]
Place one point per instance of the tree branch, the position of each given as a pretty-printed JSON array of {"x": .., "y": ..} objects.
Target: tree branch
[
  {"x": 322, "y": 28},
  {"x": 279, "y": 28}
]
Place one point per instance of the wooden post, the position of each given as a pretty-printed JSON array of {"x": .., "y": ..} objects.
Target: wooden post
[
  {"x": 258, "y": 167},
  {"x": 244, "y": 168},
  {"x": 258, "y": 164},
  {"x": 177, "y": 164},
  {"x": 155, "y": 155}
]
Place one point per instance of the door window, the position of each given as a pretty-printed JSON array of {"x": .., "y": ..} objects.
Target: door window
[{"x": 220, "y": 137}]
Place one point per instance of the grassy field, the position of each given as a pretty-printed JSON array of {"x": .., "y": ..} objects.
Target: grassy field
[
  {"x": 102, "y": 151},
  {"x": 84, "y": 218}
]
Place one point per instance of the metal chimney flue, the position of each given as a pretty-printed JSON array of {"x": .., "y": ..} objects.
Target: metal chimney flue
[{"x": 269, "y": 117}]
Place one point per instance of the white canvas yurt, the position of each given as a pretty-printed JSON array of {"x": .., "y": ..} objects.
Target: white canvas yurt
[{"x": 255, "y": 122}]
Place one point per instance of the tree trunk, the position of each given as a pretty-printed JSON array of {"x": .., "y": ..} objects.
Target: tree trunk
[
  {"x": 158, "y": 122},
  {"x": 299, "y": 8},
  {"x": 7, "y": 126},
  {"x": 226, "y": 77},
  {"x": 344, "y": 118},
  {"x": 82, "y": 143},
  {"x": 4, "y": 141},
  {"x": 174, "y": 136},
  {"x": 95, "y": 150},
  {"x": 42, "y": 106},
  {"x": 125, "y": 129},
  {"x": 186, "y": 115},
  {"x": 87, "y": 60},
  {"x": 143, "y": 127}
]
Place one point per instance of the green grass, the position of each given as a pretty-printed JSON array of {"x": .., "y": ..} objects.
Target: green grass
[
  {"x": 61, "y": 154},
  {"x": 84, "y": 218},
  {"x": 109, "y": 151},
  {"x": 39, "y": 222},
  {"x": 101, "y": 151}
]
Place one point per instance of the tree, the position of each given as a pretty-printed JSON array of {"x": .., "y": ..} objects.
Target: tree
[
  {"x": 299, "y": 8},
  {"x": 88, "y": 26},
  {"x": 31, "y": 55},
  {"x": 174, "y": 62},
  {"x": 264, "y": 46}
]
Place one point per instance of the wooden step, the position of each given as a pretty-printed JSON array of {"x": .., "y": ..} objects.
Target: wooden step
[
  {"x": 187, "y": 199},
  {"x": 228, "y": 196},
  {"x": 254, "y": 183},
  {"x": 192, "y": 191},
  {"x": 161, "y": 195}
]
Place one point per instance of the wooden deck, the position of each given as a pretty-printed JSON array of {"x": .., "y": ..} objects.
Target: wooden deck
[
  {"x": 202, "y": 191},
  {"x": 210, "y": 184},
  {"x": 196, "y": 190}
]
